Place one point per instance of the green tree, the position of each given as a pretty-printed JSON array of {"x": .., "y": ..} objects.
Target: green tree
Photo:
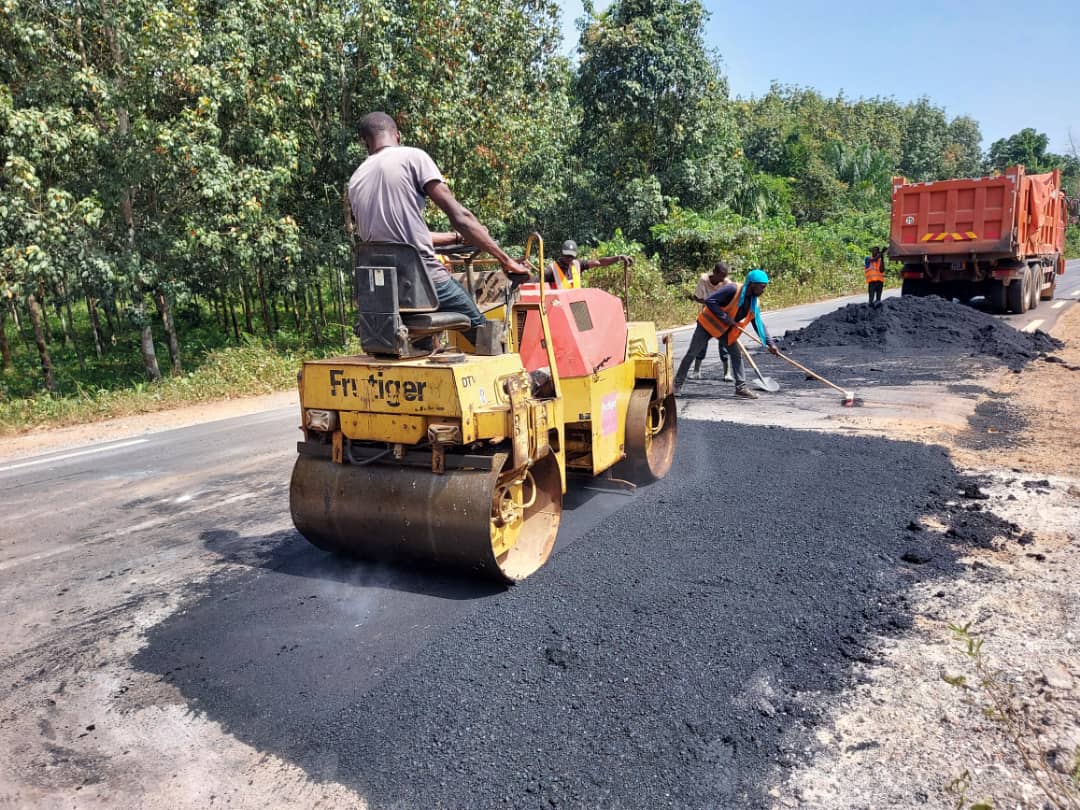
[
  {"x": 655, "y": 121},
  {"x": 963, "y": 150},
  {"x": 1027, "y": 147},
  {"x": 924, "y": 141}
]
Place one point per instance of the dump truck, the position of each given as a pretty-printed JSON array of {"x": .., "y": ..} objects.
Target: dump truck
[
  {"x": 455, "y": 452},
  {"x": 1000, "y": 237}
]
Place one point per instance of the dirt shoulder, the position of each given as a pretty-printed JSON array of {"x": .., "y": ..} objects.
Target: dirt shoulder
[{"x": 927, "y": 724}]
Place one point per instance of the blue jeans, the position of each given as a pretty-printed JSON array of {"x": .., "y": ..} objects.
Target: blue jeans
[{"x": 453, "y": 298}]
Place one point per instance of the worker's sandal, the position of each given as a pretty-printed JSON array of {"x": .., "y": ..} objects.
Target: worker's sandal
[{"x": 745, "y": 393}]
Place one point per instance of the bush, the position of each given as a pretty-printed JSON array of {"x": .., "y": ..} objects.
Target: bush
[
  {"x": 814, "y": 261},
  {"x": 1072, "y": 241},
  {"x": 650, "y": 297}
]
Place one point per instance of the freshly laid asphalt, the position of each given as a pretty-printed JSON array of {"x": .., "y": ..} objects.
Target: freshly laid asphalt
[{"x": 675, "y": 655}]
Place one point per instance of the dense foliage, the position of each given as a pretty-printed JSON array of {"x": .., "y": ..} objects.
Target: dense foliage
[{"x": 171, "y": 174}]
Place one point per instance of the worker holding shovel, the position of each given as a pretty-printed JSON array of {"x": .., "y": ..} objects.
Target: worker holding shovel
[{"x": 731, "y": 306}]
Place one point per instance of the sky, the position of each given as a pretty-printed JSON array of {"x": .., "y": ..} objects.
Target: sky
[{"x": 978, "y": 59}]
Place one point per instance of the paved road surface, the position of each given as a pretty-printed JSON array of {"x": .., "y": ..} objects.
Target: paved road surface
[
  {"x": 196, "y": 482},
  {"x": 135, "y": 521}
]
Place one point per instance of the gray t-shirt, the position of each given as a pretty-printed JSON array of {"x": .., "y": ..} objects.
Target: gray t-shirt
[{"x": 387, "y": 196}]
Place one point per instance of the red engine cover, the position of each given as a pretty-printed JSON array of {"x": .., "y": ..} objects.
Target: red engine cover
[{"x": 588, "y": 328}]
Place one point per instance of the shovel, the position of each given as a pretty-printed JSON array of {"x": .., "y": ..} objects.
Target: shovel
[
  {"x": 761, "y": 383},
  {"x": 849, "y": 396}
]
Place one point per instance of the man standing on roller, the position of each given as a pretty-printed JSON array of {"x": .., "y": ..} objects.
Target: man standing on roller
[
  {"x": 730, "y": 306},
  {"x": 388, "y": 193}
]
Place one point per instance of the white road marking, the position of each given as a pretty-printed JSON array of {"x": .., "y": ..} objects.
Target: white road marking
[
  {"x": 1058, "y": 305},
  {"x": 157, "y": 521},
  {"x": 41, "y": 555},
  {"x": 72, "y": 455},
  {"x": 1035, "y": 324},
  {"x": 146, "y": 524}
]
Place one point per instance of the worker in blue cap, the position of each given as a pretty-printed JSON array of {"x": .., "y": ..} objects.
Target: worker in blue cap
[{"x": 730, "y": 306}]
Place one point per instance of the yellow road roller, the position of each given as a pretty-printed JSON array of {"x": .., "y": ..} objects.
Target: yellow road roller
[{"x": 455, "y": 453}]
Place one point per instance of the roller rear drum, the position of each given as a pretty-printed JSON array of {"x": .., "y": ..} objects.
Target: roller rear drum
[{"x": 495, "y": 523}]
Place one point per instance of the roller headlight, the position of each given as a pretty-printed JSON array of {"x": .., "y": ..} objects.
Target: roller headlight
[{"x": 322, "y": 421}]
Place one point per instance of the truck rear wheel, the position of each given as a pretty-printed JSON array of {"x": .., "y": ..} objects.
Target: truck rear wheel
[
  {"x": 913, "y": 286},
  {"x": 1048, "y": 293},
  {"x": 1017, "y": 295},
  {"x": 1034, "y": 285},
  {"x": 997, "y": 296}
]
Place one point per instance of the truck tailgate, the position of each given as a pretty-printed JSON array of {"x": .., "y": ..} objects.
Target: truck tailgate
[{"x": 954, "y": 217}]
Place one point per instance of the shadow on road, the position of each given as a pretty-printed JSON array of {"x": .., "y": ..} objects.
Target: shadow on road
[{"x": 288, "y": 553}]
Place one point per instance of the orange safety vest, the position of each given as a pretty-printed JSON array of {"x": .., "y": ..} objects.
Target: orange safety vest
[
  {"x": 564, "y": 281},
  {"x": 717, "y": 328},
  {"x": 874, "y": 271}
]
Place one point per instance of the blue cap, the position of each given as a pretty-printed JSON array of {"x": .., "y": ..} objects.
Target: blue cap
[{"x": 757, "y": 277}]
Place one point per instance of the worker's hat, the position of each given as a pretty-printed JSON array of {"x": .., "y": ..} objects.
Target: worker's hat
[
  {"x": 757, "y": 277},
  {"x": 569, "y": 248}
]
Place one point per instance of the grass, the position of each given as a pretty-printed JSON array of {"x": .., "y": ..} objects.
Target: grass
[{"x": 226, "y": 373}]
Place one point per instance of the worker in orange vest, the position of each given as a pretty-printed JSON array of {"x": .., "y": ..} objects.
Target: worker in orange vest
[
  {"x": 874, "y": 270},
  {"x": 565, "y": 272},
  {"x": 707, "y": 284},
  {"x": 730, "y": 306}
]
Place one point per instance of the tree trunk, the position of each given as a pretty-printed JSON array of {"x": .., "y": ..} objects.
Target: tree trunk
[
  {"x": 95, "y": 324},
  {"x": 69, "y": 327},
  {"x": 274, "y": 313},
  {"x": 109, "y": 305},
  {"x": 246, "y": 307},
  {"x": 296, "y": 313},
  {"x": 127, "y": 210},
  {"x": 43, "y": 348},
  {"x": 319, "y": 302},
  {"x": 341, "y": 306},
  {"x": 165, "y": 311},
  {"x": 5, "y": 348},
  {"x": 18, "y": 324},
  {"x": 43, "y": 311},
  {"x": 235, "y": 327},
  {"x": 219, "y": 311},
  {"x": 58, "y": 305},
  {"x": 262, "y": 303},
  {"x": 312, "y": 317},
  {"x": 146, "y": 337}
]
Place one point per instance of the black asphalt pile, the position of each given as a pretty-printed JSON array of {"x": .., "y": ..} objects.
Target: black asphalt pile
[
  {"x": 679, "y": 654},
  {"x": 932, "y": 324}
]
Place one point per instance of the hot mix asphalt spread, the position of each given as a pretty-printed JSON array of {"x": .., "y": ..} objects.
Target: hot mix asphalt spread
[{"x": 675, "y": 655}]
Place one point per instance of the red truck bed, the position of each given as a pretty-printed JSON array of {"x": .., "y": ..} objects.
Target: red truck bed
[
  {"x": 1001, "y": 237},
  {"x": 1013, "y": 215}
]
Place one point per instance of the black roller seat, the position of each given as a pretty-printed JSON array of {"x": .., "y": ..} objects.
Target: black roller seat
[
  {"x": 424, "y": 324},
  {"x": 397, "y": 301}
]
